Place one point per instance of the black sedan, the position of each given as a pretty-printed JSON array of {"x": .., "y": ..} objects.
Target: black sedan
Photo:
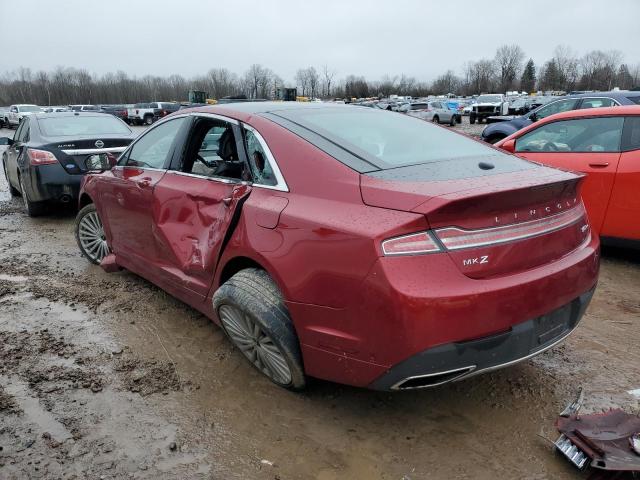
[{"x": 45, "y": 160}]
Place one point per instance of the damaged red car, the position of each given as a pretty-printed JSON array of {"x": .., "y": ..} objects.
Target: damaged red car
[{"x": 354, "y": 245}]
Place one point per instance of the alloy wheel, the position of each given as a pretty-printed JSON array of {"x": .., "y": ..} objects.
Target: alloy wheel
[
  {"x": 92, "y": 237},
  {"x": 255, "y": 344}
]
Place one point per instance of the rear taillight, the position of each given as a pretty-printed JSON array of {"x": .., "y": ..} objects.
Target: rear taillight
[
  {"x": 454, "y": 238},
  {"x": 413, "y": 244},
  {"x": 40, "y": 157}
]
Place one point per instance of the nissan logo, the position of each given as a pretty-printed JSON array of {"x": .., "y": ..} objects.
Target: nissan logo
[{"x": 99, "y": 144}]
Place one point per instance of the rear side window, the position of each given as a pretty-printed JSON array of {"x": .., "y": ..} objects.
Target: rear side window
[
  {"x": 557, "y": 107},
  {"x": 154, "y": 147},
  {"x": 259, "y": 161},
  {"x": 631, "y": 136},
  {"x": 635, "y": 100},
  {"x": 578, "y": 135},
  {"x": 597, "y": 103}
]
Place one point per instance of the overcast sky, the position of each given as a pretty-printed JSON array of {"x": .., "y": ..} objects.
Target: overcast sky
[{"x": 364, "y": 37}]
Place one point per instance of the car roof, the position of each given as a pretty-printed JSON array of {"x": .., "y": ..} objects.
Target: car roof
[
  {"x": 245, "y": 109},
  {"x": 593, "y": 112}
]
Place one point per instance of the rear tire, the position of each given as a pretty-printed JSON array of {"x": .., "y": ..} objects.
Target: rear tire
[
  {"x": 254, "y": 316},
  {"x": 33, "y": 209},
  {"x": 452, "y": 122},
  {"x": 90, "y": 234},
  {"x": 435, "y": 119},
  {"x": 148, "y": 120},
  {"x": 472, "y": 119}
]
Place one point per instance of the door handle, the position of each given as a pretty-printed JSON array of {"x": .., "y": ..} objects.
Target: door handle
[
  {"x": 599, "y": 164},
  {"x": 227, "y": 201},
  {"x": 144, "y": 182}
]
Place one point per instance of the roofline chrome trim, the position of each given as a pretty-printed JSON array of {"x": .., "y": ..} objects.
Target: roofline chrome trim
[
  {"x": 281, "y": 184},
  {"x": 216, "y": 116},
  {"x": 93, "y": 151}
]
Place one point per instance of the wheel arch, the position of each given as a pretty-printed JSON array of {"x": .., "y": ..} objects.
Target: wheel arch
[{"x": 85, "y": 199}]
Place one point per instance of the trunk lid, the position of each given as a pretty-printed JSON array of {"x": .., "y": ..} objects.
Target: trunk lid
[
  {"x": 72, "y": 154},
  {"x": 494, "y": 222}
]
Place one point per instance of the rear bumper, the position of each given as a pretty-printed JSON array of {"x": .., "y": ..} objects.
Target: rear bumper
[
  {"x": 458, "y": 360},
  {"x": 416, "y": 310},
  {"x": 51, "y": 183}
]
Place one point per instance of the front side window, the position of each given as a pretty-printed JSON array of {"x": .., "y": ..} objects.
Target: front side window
[
  {"x": 579, "y": 135},
  {"x": 597, "y": 103},
  {"x": 556, "y": 107},
  {"x": 155, "y": 147},
  {"x": 260, "y": 166}
]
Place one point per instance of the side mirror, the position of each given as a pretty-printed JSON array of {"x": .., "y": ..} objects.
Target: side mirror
[
  {"x": 533, "y": 117},
  {"x": 99, "y": 162},
  {"x": 6, "y": 141},
  {"x": 509, "y": 146}
]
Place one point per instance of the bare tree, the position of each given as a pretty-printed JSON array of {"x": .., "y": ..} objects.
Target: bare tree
[
  {"x": 508, "y": 61},
  {"x": 327, "y": 78}
]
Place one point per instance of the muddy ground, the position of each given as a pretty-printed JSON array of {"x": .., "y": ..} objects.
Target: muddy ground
[{"x": 106, "y": 376}]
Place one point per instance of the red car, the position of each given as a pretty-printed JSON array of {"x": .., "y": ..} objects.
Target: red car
[
  {"x": 350, "y": 244},
  {"x": 603, "y": 143}
]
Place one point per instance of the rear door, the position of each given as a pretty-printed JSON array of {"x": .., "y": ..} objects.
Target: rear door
[
  {"x": 15, "y": 150},
  {"x": 197, "y": 203},
  {"x": 126, "y": 196},
  {"x": 623, "y": 214},
  {"x": 589, "y": 145}
]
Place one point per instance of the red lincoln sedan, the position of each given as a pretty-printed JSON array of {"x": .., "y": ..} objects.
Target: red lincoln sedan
[
  {"x": 604, "y": 143},
  {"x": 350, "y": 244}
]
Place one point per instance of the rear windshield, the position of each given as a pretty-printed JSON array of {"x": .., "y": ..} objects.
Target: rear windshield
[
  {"x": 419, "y": 106},
  {"x": 388, "y": 139},
  {"x": 79, "y": 125},
  {"x": 635, "y": 99},
  {"x": 489, "y": 98}
]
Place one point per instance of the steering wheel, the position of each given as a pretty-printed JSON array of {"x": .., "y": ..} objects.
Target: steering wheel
[
  {"x": 549, "y": 147},
  {"x": 213, "y": 164}
]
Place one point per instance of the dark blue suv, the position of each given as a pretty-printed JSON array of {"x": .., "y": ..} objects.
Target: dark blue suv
[{"x": 497, "y": 131}]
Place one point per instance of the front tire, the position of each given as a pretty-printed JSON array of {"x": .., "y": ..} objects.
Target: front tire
[
  {"x": 435, "y": 119},
  {"x": 90, "y": 234},
  {"x": 254, "y": 316},
  {"x": 452, "y": 122},
  {"x": 33, "y": 209},
  {"x": 472, "y": 119},
  {"x": 148, "y": 120}
]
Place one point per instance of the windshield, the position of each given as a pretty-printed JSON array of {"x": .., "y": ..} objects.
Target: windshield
[
  {"x": 80, "y": 125},
  {"x": 386, "y": 139},
  {"x": 30, "y": 108},
  {"x": 489, "y": 99}
]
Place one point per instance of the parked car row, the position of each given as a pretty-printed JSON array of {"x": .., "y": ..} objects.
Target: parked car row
[
  {"x": 504, "y": 126},
  {"x": 138, "y": 114}
]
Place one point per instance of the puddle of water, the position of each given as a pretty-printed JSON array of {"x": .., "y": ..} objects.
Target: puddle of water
[{"x": 32, "y": 409}]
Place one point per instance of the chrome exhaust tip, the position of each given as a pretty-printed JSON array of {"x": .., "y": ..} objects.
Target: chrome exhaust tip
[{"x": 433, "y": 379}]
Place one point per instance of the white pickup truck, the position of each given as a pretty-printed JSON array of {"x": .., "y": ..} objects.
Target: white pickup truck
[
  {"x": 17, "y": 112},
  {"x": 147, "y": 113},
  {"x": 488, "y": 105}
]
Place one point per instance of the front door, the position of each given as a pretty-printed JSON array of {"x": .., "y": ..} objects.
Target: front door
[
  {"x": 127, "y": 196},
  {"x": 197, "y": 202},
  {"x": 589, "y": 145}
]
